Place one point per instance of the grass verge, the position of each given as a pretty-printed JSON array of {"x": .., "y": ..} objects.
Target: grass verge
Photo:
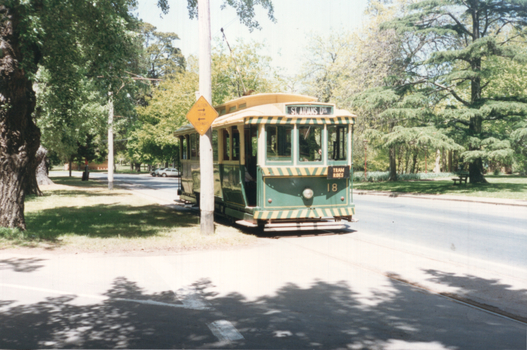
[
  {"x": 76, "y": 216},
  {"x": 499, "y": 186}
]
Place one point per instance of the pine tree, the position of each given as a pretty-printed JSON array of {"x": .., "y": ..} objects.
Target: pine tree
[{"x": 463, "y": 40}]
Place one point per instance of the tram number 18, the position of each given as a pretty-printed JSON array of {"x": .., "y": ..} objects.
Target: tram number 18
[{"x": 332, "y": 187}]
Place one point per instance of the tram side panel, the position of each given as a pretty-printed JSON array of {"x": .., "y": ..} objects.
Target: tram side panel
[
  {"x": 228, "y": 189},
  {"x": 231, "y": 185}
]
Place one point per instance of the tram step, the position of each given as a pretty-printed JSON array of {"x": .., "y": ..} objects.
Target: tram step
[
  {"x": 305, "y": 226},
  {"x": 246, "y": 223}
]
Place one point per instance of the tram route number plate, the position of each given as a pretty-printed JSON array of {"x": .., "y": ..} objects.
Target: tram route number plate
[{"x": 338, "y": 172}]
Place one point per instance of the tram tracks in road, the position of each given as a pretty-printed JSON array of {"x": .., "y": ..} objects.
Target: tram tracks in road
[{"x": 452, "y": 297}]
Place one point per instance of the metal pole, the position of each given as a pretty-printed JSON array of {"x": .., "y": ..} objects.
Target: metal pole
[
  {"x": 110, "y": 143},
  {"x": 205, "y": 141}
]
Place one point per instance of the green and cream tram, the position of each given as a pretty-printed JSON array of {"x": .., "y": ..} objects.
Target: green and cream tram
[{"x": 281, "y": 161}]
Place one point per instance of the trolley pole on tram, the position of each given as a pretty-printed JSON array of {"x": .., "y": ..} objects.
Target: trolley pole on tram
[{"x": 205, "y": 140}]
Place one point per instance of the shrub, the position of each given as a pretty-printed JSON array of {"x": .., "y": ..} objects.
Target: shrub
[{"x": 376, "y": 176}]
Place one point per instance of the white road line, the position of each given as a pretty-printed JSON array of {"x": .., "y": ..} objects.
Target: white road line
[
  {"x": 53, "y": 291},
  {"x": 190, "y": 301},
  {"x": 187, "y": 295},
  {"x": 152, "y": 302},
  {"x": 224, "y": 330}
]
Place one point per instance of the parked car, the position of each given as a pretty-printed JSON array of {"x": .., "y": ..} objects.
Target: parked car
[
  {"x": 169, "y": 172},
  {"x": 155, "y": 172}
]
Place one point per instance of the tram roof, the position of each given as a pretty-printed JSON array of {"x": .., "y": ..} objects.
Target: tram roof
[{"x": 271, "y": 109}]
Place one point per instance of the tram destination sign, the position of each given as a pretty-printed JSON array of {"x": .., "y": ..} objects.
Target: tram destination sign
[
  {"x": 338, "y": 172},
  {"x": 309, "y": 110}
]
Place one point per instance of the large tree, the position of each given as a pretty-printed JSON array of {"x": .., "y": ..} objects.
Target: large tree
[
  {"x": 245, "y": 68},
  {"x": 464, "y": 41},
  {"x": 162, "y": 57},
  {"x": 355, "y": 69},
  {"x": 59, "y": 35}
]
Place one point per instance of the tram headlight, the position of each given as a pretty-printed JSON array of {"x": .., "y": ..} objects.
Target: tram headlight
[{"x": 308, "y": 193}]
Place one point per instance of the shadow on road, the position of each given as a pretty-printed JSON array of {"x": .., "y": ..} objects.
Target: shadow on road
[
  {"x": 323, "y": 316},
  {"x": 21, "y": 264}
]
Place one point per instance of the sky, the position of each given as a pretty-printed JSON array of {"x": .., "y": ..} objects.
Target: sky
[{"x": 285, "y": 40}]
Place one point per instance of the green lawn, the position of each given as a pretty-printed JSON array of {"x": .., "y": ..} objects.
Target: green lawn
[
  {"x": 86, "y": 217},
  {"x": 120, "y": 169},
  {"x": 501, "y": 186}
]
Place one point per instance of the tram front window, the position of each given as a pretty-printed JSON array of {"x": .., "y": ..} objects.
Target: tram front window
[
  {"x": 279, "y": 142},
  {"x": 337, "y": 142},
  {"x": 310, "y": 142}
]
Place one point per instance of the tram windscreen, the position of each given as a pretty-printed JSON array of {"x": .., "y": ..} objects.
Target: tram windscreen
[
  {"x": 337, "y": 142},
  {"x": 310, "y": 143},
  {"x": 279, "y": 142}
]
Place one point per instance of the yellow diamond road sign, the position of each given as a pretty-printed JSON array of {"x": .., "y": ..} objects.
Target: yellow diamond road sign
[{"x": 201, "y": 115}]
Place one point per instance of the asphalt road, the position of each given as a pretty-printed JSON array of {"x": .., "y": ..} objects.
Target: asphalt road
[
  {"x": 464, "y": 230},
  {"x": 379, "y": 285}
]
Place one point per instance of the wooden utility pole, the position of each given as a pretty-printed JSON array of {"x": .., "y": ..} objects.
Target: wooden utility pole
[
  {"x": 205, "y": 141},
  {"x": 110, "y": 142}
]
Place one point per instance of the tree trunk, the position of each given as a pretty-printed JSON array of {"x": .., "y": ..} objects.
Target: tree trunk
[
  {"x": 437, "y": 167},
  {"x": 475, "y": 127},
  {"x": 414, "y": 161},
  {"x": 19, "y": 136},
  {"x": 393, "y": 165},
  {"x": 475, "y": 172},
  {"x": 32, "y": 184},
  {"x": 42, "y": 168},
  {"x": 475, "y": 168},
  {"x": 400, "y": 159},
  {"x": 138, "y": 167},
  {"x": 407, "y": 161}
]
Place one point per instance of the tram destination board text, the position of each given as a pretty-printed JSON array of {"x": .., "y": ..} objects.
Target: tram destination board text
[
  {"x": 338, "y": 172},
  {"x": 309, "y": 110}
]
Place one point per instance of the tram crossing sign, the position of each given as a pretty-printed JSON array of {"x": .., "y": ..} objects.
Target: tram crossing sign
[{"x": 201, "y": 115}]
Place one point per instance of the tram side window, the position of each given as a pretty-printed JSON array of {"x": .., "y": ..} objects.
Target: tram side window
[
  {"x": 215, "y": 145},
  {"x": 310, "y": 143},
  {"x": 235, "y": 143},
  {"x": 226, "y": 145},
  {"x": 279, "y": 142},
  {"x": 184, "y": 147},
  {"x": 337, "y": 142},
  {"x": 194, "y": 147}
]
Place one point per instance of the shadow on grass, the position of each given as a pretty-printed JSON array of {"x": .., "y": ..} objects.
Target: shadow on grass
[
  {"x": 105, "y": 221},
  {"x": 321, "y": 316},
  {"x": 442, "y": 187},
  {"x": 75, "y": 181},
  {"x": 80, "y": 192},
  {"x": 76, "y": 193}
]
